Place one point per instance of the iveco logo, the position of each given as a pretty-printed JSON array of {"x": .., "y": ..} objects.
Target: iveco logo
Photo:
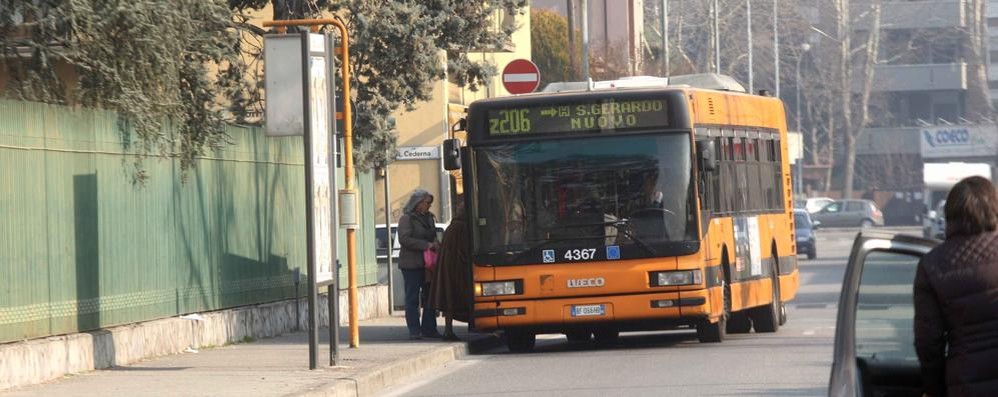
[{"x": 586, "y": 282}]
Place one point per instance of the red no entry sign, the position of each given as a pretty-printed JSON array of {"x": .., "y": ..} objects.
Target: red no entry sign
[{"x": 520, "y": 77}]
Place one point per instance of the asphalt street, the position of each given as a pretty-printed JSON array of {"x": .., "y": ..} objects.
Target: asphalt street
[{"x": 792, "y": 362}]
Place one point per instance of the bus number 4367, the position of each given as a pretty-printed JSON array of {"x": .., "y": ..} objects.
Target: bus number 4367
[{"x": 580, "y": 254}]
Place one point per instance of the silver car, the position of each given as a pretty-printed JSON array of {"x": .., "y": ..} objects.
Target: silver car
[
  {"x": 874, "y": 352},
  {"x": 848, "y": 213}
]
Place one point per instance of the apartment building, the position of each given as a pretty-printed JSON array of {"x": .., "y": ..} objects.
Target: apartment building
[
  {"x": 616, "y": 28},
  {"x": 929, "y": 92},
  {"x": 422, "y": 130}
]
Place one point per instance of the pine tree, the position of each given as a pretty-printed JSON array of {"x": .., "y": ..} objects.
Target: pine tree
[{"x": 150, "y": 61}]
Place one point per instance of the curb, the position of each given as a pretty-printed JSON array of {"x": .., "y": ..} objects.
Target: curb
[{"x": 390, "y": 374}]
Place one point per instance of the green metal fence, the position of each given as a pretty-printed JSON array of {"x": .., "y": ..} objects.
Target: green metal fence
[{"x": 83, "y": 248}]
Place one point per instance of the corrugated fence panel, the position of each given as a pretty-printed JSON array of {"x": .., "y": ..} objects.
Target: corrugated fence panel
[
  {"x": 82, "y": 247},
  {"x": 24, "y": 296}
]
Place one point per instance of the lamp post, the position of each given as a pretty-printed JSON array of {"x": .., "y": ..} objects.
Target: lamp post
[
  {"x": 776, "y": 46},
  {"x": 799, "y": 182},
  {"x": 804, "y": 49}
]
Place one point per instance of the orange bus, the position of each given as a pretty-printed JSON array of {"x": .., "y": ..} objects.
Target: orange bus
[{"x": 629, "y": 205}]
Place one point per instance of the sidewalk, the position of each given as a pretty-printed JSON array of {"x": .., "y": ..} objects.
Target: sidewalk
[{"x": 276, "y": 367}]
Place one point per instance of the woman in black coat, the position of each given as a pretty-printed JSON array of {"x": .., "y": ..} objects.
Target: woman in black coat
[
  {"x": 417, "y": 233},
  {"x": 956, "y": 297}
]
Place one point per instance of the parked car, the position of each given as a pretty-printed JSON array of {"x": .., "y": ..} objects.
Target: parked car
[
  {"x": 874, "y": 352},
  {"x": 845, "y": 213},
  {"x": 806, "y": 241},
  {"x": 815, "y": 204},
  {"x": 936, "y": 222}
]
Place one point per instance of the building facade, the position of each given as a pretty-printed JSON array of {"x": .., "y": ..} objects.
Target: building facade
[
  {"x": 616, "y": 29},
  {"x": 421, "y": 131},
  {"x": 932, "y": 97}
]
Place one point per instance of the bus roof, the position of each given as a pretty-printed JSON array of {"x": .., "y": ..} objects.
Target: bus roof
[{"x": 710, "y": 81}]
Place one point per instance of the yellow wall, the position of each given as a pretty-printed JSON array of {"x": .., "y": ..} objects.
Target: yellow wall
[{"x": 427, "y": 125}]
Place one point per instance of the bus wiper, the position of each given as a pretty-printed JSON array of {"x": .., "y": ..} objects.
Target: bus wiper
[{"x": 621, "y": 226}]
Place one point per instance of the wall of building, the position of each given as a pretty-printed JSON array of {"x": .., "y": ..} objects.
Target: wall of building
[
  {"x": 613, "y": 25},
  {"x": 428, "y": 125}
]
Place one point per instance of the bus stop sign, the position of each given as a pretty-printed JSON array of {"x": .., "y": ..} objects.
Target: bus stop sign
[{"x": 521, "y": 76}]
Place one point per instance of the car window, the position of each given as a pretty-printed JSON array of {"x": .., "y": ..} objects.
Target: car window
[
  {"x": 884, "y": 310},
  {"x": 854, "y": 206},
  {"x": 833, "y": 207},
  {"x": 802, "y": 221},
  {"x": 380, "y": 240}
]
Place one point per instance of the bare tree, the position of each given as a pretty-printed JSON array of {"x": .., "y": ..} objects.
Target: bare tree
[
  {"x": 974, "y": 49},
  {"x": 854, "y": 130}
]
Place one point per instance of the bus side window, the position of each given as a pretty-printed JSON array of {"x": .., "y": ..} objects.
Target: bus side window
[
  {"x": 777, "y": 174},
  {"x": 704, "y": 184},
  {"x": 726, "y": 177},
  {"x": 765, "y": 173},
  {"x": 756, "y": 196}
]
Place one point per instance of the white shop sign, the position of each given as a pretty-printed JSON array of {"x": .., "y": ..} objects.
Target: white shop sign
[
  {"x": 418, "y": 153},
  {"x": 959, "y": 141}
]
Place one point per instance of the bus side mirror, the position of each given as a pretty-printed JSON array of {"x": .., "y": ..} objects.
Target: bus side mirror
[
  {"x": 452, "y": 154},
  {"x": 460, "y": 125},
  {"x": 707, "y": 155}
]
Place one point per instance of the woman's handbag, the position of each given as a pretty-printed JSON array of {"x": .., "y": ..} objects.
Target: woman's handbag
[{"x": 430, "y": 259}]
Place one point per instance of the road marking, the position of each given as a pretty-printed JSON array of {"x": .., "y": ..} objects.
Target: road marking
[{"x": 809, "y": 332}]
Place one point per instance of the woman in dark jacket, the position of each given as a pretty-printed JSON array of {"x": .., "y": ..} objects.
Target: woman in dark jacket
[
  {"x": 417, "y": 233},
  {"x": 956, "y": 297},
  {"x": 451, "y": 287}
]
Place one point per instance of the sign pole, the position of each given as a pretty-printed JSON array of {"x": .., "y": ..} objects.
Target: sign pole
[
  {"x": 313, "y": 293},
  {"x": 333, "y": 289},
  {"x": 347, "y": 216}
]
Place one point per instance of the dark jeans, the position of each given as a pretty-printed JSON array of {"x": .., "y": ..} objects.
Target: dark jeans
[{"x": 417, "y": 291}]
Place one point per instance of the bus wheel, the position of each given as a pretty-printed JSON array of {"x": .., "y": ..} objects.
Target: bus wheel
[
  {"x": 708, "y": 332},
  {"x": 520, "y": 341},
  {"x": 606, "y": 336},
  {"x": 578, "y": 336},
  {"x": 767, "y": 318},
  {"x": 739, "y": 323},
  {"x": 783, "y": 313}
]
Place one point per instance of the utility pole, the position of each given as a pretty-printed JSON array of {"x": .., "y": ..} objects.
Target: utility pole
[
  {"x": 717, "y": 38},
  {"x": 748, "y": 17},
  {"x": 389, "y": 244},
  {"x": 571, "y": 40},
  {"x": 776, "y": 47},
  {"x": 665, "y": 37},
  {"x": 585, "y": 39}
]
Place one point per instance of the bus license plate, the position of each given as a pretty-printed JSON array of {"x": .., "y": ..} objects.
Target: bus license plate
[{"x": 588, "y": 310}]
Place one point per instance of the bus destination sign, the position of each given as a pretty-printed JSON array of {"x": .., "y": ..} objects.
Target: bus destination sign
[{"x": 606, "y": 115}]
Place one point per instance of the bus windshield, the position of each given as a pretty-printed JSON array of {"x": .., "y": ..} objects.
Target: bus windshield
[{"x": 578, "y": 199}]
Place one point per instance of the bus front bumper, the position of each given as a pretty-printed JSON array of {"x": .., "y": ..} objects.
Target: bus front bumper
[{"x": 636, "y": 312}]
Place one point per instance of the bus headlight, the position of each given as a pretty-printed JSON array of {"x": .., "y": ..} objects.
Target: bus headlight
[
  {"x": 672, "y": 278},
  {"x": 497, "y": 288}
]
